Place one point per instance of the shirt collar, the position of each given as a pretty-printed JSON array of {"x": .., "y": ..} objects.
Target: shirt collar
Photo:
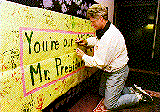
[{"x": 101, "y": 32}]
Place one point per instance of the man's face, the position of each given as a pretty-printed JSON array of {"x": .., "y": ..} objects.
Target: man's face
[{"x": 96, "y": 23}]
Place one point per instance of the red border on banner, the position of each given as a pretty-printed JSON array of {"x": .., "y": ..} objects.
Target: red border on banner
[{"x": 21, "y": 58}]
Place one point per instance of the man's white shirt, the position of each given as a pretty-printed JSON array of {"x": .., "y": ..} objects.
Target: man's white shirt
[{"x": 110, "y": 52}]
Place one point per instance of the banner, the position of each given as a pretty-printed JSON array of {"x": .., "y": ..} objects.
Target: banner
[{"x": 38, "y": 58}]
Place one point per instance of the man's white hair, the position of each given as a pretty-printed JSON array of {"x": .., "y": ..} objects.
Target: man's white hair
[{"x": 97, "y": 10}]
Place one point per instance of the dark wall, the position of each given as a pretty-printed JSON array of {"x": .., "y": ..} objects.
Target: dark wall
[
  {"x": 31, "y": 3},
  {"x": 157, "y": 42},
  {"x": 131, "y": 18}
]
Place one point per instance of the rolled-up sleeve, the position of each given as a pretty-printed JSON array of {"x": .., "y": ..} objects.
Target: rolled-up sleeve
[
  {"x": 92, "y": 41},
  {"x": 92, "y": 61},
  {"x": 103, "y": 54}
]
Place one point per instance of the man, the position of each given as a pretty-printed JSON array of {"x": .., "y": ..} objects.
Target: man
[{"x": 110, "y": 55}]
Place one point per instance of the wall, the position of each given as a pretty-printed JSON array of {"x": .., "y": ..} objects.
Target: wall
[
  {"x": 38, "y": 60},
  {"x": 110, "y": 5}
]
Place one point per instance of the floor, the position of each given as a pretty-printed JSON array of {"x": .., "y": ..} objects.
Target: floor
[{"x": 89, "y": 101}]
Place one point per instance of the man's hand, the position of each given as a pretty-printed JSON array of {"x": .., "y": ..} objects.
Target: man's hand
[
  {"x": 79, "y": 52},
  {"x": 81, "y": 41}
]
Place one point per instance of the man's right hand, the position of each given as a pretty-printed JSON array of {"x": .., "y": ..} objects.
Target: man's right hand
[{"x": 81, "y": 41}]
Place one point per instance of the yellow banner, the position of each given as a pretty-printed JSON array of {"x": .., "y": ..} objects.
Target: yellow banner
[{"x": 38, "y": 59}]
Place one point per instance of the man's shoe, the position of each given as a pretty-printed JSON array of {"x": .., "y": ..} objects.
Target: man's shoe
[{"x": 144, "y": 96}]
